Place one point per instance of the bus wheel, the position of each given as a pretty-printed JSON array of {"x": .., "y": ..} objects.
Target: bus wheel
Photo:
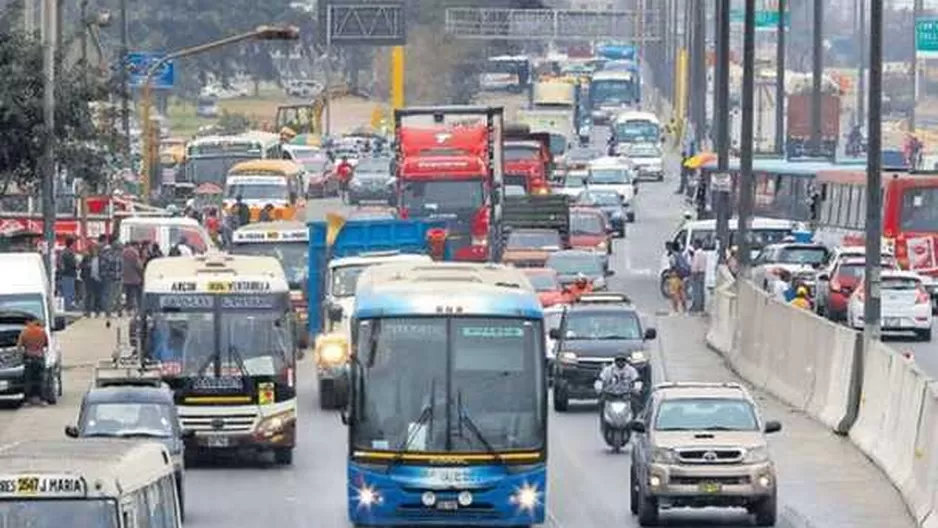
[
  {"x": 283, "y": 456},
  {"x": 327, "y": 396}
]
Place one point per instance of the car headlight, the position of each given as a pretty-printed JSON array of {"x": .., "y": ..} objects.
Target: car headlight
[
  {"x": 756, "y": 455},
  {"x": 638, "y": 356},
  {"x": 568, "y": 357},
  {"x": 663, "y": 456},
  {"x": 332, "y": 352},
  {"x": 602, "y": 246}
]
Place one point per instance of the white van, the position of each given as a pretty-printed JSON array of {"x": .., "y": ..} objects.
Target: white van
[
  {"x": 614, "y": 173},
  {"x": 24, "y": 294},
  {"x": 165, "y": 231},
  {"x": 765, "y": 231}
]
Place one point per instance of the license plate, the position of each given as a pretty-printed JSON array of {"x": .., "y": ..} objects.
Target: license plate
[
  {"x": 448, "y": 505},
  {"x": 710, "y": 487},
  {"x": 215, "y": 441},
  {"x": 892, "y": 322}
]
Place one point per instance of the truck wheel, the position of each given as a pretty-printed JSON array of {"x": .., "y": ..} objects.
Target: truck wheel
[
  {"x": 561, "y": 401},
  {"x": 283, "y": 456},
  {"x": 50, "y": 389},
  {"x": 766, "y": 511},
  {"x": 647, "y": 510},
  {"x": 327, "y": 396}
]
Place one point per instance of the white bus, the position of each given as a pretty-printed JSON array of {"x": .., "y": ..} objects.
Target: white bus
[{"x": 90, "y": 483}]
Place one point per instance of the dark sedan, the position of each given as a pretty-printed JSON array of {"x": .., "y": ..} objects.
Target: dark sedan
[{"x": 611, "y": 204}]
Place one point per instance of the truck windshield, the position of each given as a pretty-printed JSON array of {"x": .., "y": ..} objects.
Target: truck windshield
[
  {"x": 49, "y": 513},
  {"x": 423, "y": 373},
  {"x": 920, "y": 210},
  {"x": 212, "y": 169},
  {"x": 429, "y": 198},
  {"x": 521, "y": 153},
  {"x": 258, "y": 191},
  {"x": 27, "y": 303},
  {"x": 292, "y": 255},
  {"x": 345, "y": 280},
  {"x": 261, "y": 340}
]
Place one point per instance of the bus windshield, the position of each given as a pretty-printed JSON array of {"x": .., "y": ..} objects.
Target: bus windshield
[
  {"x": 47, "y": 513},
  {"x": 213, "y": 169},
  {"x": 635, "y": 130},
  {"x": 920, "y": 210},
  {"x": 262, "y": 341},
  {"x": 429, "y": 198},
  {"x": 184, "y": 342},
  {"x": 345, "y": 280},
  {"x": 481, "y": 375},
  {"x": 292, "y": 255},
  {"x": 612, "y": 92},
  {"x": 258, "y": 191}
]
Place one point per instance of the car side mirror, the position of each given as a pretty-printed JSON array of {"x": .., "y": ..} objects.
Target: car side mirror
[
  {"x": 187, "y": 434},
  {"x": 651, "y": 333},
  {"x": 772, "y": 426},
  {"x": 343, "y": 415},
  {"x": 554, "y": 333},
  {"x": 335, "y": 313},
  {"x": 823, "y": 277},
  {"x": 71, "y": 431},
  {"x": 637, "y": 426},
  {"x": 58, "y": 324}
]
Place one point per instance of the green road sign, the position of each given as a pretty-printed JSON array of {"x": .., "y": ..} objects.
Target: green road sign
[
  {"x": 926, "y": 37},
  {"x": 765, "y": 20}
]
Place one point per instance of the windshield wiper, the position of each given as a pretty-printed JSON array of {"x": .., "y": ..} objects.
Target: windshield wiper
[
  {"x": 462, "y": 415},
  {"x": 719, "y": 428},
  {"x": 424, "y": 418}
]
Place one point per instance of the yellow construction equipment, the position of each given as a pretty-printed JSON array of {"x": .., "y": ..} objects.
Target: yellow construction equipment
[{"x": 307, "y": 118}]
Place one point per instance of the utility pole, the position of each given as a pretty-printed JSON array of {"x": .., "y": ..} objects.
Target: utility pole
[
  {"x": 125, "y": 87},
  {"x": 327, "y": 102},
  {"x": 917, "y": 13},
  {"x": 818, "y": 73},
  {"x": 699, "y": 69},
  {"x": 717, "y": 17},
  {"x": 83, "y": 16},
  {"x": 861, "y": 68},
  {"x": 722, "y": 197},
  {"x": 874, "y": 166},
  {"x": 780, "y": 79},
  {"x": 47, "y": 162},
  {"x": 746, "y": 140}
]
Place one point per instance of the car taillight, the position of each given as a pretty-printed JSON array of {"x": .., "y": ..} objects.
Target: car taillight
[
  {"x": 836, "y": 286},
  {"x": 480, "y": 227},
  {"x": 922, "y": 296}
]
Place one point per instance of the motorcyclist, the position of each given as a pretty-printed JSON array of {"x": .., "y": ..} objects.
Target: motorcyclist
[
  {"x": 581, "y": 286},
  {"x": 617, "y": 378},
  {"x": 801, "y": 299}
]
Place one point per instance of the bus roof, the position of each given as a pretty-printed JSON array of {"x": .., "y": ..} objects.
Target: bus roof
[
  {"x": 266, "y": 165},
  {"x": 630, "y": 115},
  {"x": 434, "y": 288},
  {"x": 857, "y": 176},
  {"x": 276, "y": 231},
  {"x": 379, "y": 257},
  {"x": 105, "y": 467},
  {"x": 807, "y": 167},
  {"x": 206, "y": 273}
]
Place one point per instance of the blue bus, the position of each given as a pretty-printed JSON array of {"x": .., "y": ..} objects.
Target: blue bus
[{"x": 448, "y": 410}]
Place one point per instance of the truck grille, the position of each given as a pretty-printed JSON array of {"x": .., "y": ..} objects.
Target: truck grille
[
  {"x": 710, "y": 456},
  {"x": 220, "y": 423},
  {"x": 741, "y": 480},
  {"x": 10, "y": 358}
]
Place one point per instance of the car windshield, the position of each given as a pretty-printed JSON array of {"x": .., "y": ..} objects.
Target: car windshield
[
  {"x": 128, "y": 419},
  {"x": 428, "y": 198},
  {"x": 373, "y": 176},
  {"x": 590, "y": 325},
  {"x": 856, "y": 269},
  {"x": 533, "y": 240},
  {"x": 612, "y": 92},
  {"x": 595, "y": 198},
  {"x": 481, "y": 376},
  {"x": 213, "y": 169},
  {"x": 920, "y": 210},
  {"x": 610, "y": 176},
  {"x": 702, "y": 414},
  {"x": 589, "y": 265},
  {"x": 262, "y": 341},
  {"x": 574, "y": 182},
  {"x": 637, "y": 130},
  {"x": 587, "y": 224},
  {"x": 77, "y": 513},
  {"x": 521, "y": 153},
  {"x": 345, "y": 279},
  {"x": 802, "y": 255},
  {"x": 544, "y": 282},
  {"x": 257, "y": 191},
  {"x": 760, "y": 237},
  {"x": 293, "y": 256},
  {"x": 23, "y": 303}
]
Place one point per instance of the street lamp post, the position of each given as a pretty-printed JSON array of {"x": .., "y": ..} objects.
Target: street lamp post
[{"x": 259, "y": 33}]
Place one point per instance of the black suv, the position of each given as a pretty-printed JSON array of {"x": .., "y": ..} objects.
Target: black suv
[{"x": 592, "y": 332}]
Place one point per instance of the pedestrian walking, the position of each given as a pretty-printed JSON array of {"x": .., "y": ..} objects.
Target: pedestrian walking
[
  {"x": 111, "y": 264},
  {"x": 132, "y": 267},
  {"x": 698, "y": 275},
  {"x": 68, "y": 273},
  {"x": 91, "y": 277},
  {"x": 678, "y": 271}
]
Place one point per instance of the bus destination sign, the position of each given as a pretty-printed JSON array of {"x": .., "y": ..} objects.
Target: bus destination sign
[{"x": 57, "y": 486}]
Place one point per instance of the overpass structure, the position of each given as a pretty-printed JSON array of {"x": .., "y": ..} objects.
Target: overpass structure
[{"x": 640, "y": 23}]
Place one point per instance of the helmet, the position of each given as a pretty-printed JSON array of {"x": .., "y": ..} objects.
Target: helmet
[
  {"x": 801, "y": 291},
  {"x": 621, "y": 360}
]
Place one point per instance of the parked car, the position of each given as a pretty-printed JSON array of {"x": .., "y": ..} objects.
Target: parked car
[
  {"x": 800, "y": 259},
  {"x": 905, "y": 304},
  {"x": 835, "y": 287}
]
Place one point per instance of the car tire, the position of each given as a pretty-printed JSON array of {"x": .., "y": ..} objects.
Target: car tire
[
  {"x": 630, "y": 217},
  {"x": 661, "y": 177},
  {"x": 561, "y": 400},
  {"x": 925, "y": 335},
  {"x": 633, "y": 490},
  {"x": 665, "y": 292},
  {"x": 766, "y": 511},
  {"x": 283, "y": 456},
  {"x": 647, "y": 510}
]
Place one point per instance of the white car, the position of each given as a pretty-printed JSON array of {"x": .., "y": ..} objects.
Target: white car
[
  {"x": 905, "y": 305},
  {"x": 613, "y": 173},
  {"x": 800, "y": 259},
  {"x": 646, "y": 157},
  {"x": 573, "y": 184}
]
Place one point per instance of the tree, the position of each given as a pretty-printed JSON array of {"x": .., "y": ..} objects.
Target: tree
[{"x": 81, "y": 147}]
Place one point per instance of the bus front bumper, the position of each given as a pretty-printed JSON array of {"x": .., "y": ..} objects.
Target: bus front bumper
[
  {"x": 240, "y": 428},
  {"x": 417, "y": 496}
]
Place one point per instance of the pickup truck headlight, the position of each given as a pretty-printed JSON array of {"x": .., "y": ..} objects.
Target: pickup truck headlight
[
  {"x": 663, "y": 456},
  {"x": 638, "y": 356},
  {"x": 756, "y": 455},
  {"x": 568, "y": 357}
]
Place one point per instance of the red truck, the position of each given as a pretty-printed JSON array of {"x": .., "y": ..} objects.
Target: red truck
[
  {"x": 449, "y": 170},
  {"x": 798, "y": 134},
  {"x": 528, "y": 161}
]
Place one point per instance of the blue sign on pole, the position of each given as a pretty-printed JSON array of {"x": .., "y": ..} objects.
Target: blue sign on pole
[{"x": 139, "y": 62}]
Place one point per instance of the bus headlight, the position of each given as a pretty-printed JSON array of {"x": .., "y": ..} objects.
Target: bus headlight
[
  {"x": 275, "y": 424},
  {"x": 331, "y": 352},
  {"x": 527, "y": 497},
  {"x": 638, "y": 357},
  {"x": 368, "y": 497},
  {"x": 568, "y": 357}
]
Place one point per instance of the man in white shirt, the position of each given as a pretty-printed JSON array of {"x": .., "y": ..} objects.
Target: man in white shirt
[{"x": 698, "y": 274}]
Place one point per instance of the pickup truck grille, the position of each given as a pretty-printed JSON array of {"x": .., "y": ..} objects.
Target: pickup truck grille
[{"x": 710, "y": 456}]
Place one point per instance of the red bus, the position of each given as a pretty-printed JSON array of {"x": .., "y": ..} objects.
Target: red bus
[{"x": 910, "y": 215}]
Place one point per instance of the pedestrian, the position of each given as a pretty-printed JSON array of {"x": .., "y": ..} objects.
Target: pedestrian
[
  {"x": 674, "y": 280},
  {"x": 241, "y": 211},
  {"x": 33, "y": 343},
  {"x": 732, "y": 261},
  {"x": 111, "y": 268},
  {"x": 698, "y": 275},
  {"x": 91, "y": 277},
  {"x": 685, "y": 173},
  {"x": 68, "y": 273},
  {"x": 267, "y": 214},
  {"x": 782, "y": 286},
  {"x": 154, "y": 252},
  {"x": 181, "y": 248},
  {"x": 801, "y": 299},
  {"x": 132, "y": 279}
]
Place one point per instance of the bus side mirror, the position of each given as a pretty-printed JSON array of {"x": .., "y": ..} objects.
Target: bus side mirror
[
  {"x": 343, "y": 415},
  {"x": 71, "y": 431}
]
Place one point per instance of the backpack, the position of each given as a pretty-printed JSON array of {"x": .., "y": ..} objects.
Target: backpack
[
  {"x": 681, "y": 266},
  {"x": 174, "y": 251}
]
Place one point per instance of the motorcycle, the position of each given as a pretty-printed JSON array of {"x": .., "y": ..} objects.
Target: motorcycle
[{"x": 616, "y": 414}]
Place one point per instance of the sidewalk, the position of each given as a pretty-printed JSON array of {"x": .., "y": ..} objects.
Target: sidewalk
[
  {"x": 84, "y": 343},
  {"x": 832, "y": 483}
]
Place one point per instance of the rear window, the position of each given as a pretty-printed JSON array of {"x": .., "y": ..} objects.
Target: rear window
[
  {"x": 521, "y": 153},
  {"x": 857, "y": 269},
  {"x": 809, "y": 256},
  {"x": 900, "y": 283}
]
